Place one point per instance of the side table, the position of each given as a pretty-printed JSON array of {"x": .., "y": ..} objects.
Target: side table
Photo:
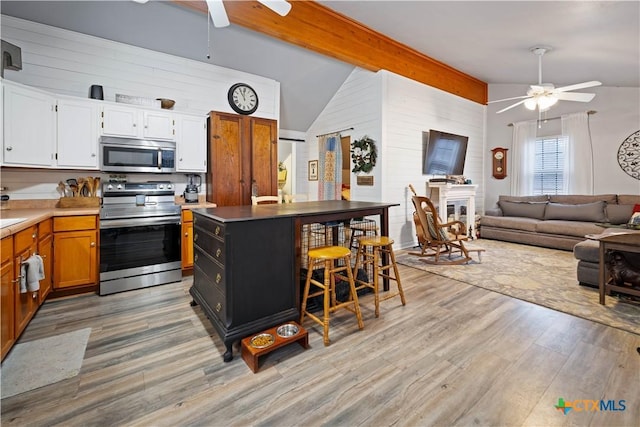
[{"x": 626, "y": 241}]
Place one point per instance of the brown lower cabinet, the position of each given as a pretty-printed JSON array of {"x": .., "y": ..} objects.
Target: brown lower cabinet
[
  {"x": 69, "y": 250},
  {"x": 187, "y": 240},
  {"x": 75, "y": 252},
  {"x": 7, "y": 296}
]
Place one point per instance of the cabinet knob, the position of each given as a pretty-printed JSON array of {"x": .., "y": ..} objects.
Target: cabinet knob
[
  {"x": 34, "y": 295},
  {"x": 93, "y": 244},
  {"x": 195, "y": 257},
  {"x": 195, "y": 237},
  {"x": 217, "y": 230},
  {"x": 34, "y": 236},
  {"x": 218, "y": 307},
  {"x": 9, "y": 148},
  {"x": 218, "y": 252},
  {"x": 218, "y": 278},
  {"x": 93, "y": 154},
  {"x": 135, "y": 125},
  {"x": 186, "y": 234}
]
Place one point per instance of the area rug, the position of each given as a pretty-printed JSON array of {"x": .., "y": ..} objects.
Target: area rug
[
  {"x": 542, "y": 276},
  {"x": 38, "y": 363}
]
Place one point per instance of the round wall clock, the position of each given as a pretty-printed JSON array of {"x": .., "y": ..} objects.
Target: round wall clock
[
  {"x": 242, "y": 98},
  {"x": 629, "y": 155}
]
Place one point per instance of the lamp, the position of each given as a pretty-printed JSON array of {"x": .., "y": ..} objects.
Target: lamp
[{"x": 542, "y": 102}]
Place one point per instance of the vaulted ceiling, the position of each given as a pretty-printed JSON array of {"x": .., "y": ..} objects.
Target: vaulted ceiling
[{"x": 488, "y": 41}]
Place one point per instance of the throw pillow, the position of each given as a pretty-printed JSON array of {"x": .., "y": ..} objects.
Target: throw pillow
[
  {"x": 634, "y": 221},
  {"x": 523, "y": 209},
  {"x": 590, "y": 212},
  {"x": 619, "y": 214}
]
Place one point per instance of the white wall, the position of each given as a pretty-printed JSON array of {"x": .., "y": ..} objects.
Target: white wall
[
  {"x": 68, "y": 63},
  {"x": 617, "y": 116},
  {"x": 394, "y": 111}
]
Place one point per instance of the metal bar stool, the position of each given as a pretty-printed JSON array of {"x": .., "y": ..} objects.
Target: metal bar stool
[
  {"x": 380, "y": 245},
  {"x": 329, "y": 256}
]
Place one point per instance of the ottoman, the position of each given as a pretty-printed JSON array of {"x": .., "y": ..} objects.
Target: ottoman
[{"x": 588, "y": 255}]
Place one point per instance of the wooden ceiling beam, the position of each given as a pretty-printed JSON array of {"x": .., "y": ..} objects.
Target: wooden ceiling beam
[{"x": 320, "y": 29}]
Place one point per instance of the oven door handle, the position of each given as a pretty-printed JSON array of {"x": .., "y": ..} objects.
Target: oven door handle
[{"x": 138, "y": 222}]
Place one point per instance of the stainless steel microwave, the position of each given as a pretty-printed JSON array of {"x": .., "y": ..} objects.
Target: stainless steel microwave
[{"x": 137, "y": 155}]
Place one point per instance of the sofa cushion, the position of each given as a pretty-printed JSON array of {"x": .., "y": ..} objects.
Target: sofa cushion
[
  {"x": 575, "y": 199},
  {"x": 619, "y": 214},
  {"x": 514, "y": 223},
  {"x": 567, "y": 228},
  {"x": 582, "y": 212},
  {"x": 540, "y": 198},
  {"x": 523, "y": 209},
  {"x": 628, "y": 199}
]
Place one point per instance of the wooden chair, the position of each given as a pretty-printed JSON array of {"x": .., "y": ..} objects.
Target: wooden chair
[
  {"x": 439, "y": 238},
  {"x": 256, "y": 200}
]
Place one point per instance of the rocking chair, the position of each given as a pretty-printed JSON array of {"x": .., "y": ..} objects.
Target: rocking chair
[{"x": 435, "y": 238}]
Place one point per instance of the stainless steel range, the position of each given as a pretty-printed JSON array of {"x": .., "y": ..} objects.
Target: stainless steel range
[{"x": 139, "y": 236}]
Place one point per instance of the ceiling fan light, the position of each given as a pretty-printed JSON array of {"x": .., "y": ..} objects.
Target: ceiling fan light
[
  {"x": 545, "y": 102},
  {"x": 530, "y": 104}
]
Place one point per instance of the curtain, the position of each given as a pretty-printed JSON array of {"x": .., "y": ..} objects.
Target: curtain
[
  {"x": 329, "y": 167},
  {"x": 578, "y": 158},
  {"x": 523, "y": 147}
]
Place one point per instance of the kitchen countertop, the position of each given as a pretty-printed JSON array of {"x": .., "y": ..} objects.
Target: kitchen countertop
[{"x": 36, "y": 215}]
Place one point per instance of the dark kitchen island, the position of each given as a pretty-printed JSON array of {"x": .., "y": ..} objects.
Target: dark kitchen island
[{"x": 247, "y": 261}]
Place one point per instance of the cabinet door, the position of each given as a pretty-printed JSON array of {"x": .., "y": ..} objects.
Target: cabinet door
[
  {"x": 228, "y": 184},
  {"x": 264, "y": 156},
  {"x": 75, "y": 259},
  {"x": 29, "y": 127},
  {"x": 26, "y": 303},
  {"x": 45, "y": 250},
  {"x": 187, "y": 245},
  {"x": 7, "y": 297},
  {"x": 158, "y": 125},
  {"x": 191, "y": 144},
  {"x": 120, "y": 121},
  {"x": 77, "y": 134}
]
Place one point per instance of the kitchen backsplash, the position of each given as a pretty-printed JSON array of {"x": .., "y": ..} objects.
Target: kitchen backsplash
[{"x": 28, "y": 184}]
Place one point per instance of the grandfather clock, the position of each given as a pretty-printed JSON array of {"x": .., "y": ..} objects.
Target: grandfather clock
[{"x": 499, "y": 162}]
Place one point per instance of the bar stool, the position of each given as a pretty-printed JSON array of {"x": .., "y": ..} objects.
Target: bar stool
[
  {"x": 328, "y": 257},
  {"x": 380, "y": 245}
]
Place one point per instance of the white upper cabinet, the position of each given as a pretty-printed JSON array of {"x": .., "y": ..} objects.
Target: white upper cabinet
[
  {"x": 131, "y": 122},
  {"x": 29, "y": 126},
  {"x": 78, "y": 133},
  {"x": 191, "y": 145}
]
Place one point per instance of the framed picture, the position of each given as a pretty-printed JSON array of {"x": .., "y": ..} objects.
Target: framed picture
[{"x": 313, "y": 170}]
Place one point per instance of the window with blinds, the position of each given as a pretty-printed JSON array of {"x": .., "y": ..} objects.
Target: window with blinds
[{"x": 548, "y": 173}]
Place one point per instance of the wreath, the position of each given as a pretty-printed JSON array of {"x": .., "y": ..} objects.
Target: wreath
[{"x": 363, "y": 154}]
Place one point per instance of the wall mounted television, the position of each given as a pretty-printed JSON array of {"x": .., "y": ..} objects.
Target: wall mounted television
[{"x": 444, "y": 153}]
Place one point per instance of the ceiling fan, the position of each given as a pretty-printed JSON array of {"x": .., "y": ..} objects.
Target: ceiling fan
[
  {"x": 219, "y": 14},
  {"x": 544, "y": 95}
]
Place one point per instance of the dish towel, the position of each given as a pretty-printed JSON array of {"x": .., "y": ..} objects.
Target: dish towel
[
  {"x": 23, "y": 278},
  {"x": 35, "y": 272}
]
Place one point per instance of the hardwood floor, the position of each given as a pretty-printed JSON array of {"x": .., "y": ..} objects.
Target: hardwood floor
[{"x": 454, "y": 355}]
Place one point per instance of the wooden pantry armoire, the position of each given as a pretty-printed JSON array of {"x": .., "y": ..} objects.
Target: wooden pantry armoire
[{"x": 243, "y": 151}]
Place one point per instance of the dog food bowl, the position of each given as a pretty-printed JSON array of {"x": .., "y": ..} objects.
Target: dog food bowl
[
  {"x": 262, "y": 340},
  {"x": 287, "y": 330}
]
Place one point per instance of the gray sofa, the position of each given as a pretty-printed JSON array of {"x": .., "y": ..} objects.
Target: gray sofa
[{"x": 555, "y": 221}]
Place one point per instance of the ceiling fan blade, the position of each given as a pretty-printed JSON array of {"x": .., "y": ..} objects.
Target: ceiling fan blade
[
  {"x": 508, "y": 99},
  {"x": 281, "y": 7},
  {"x": 218, "y": 13},
  {"x": 573, "y": 96},
  {"x": 512, "y": 105},
  {"x": 577, "y": 86}
]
